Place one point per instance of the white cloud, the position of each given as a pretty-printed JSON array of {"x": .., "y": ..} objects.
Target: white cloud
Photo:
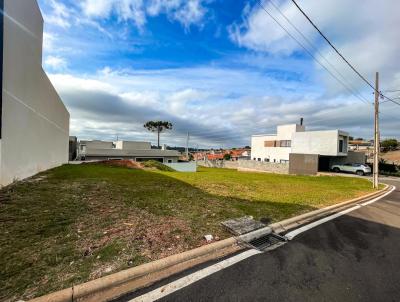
[
  {"x": 48, "y": 42},
  {"x": 59, "y": 16},
  {"x": 371, "y": 44},
  {"x": 217, "y": 106},
  {"x": 186, "y": 12},
  {"x": 56, "y": 63}
]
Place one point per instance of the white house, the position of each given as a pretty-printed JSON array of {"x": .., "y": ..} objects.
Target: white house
[
  {"x": 295, "y": 139},
  {"x": 138, "y": 151},
  {"x": 34, "y": 123}
]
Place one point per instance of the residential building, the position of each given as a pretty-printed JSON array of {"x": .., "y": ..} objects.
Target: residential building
[
  {"x": 138, "y": 151},
  {"x": 323, "y": 147},
  {"x": 34, "y": 123},
  {"x": 360, "y": 145}
]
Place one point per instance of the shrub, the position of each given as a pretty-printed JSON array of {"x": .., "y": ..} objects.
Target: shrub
[{"x": 157, "y": 165}]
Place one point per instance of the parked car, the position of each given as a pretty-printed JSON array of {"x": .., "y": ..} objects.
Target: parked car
[{"x": 359, "y": 169}]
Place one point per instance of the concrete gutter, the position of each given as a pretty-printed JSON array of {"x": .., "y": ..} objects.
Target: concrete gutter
[{"x": 84, "y": 291}]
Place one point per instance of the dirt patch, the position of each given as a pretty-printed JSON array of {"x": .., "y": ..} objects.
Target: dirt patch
[{"x": 125, "y": 163}]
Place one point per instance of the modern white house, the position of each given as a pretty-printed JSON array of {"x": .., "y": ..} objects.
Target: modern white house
[
  {"x": 34, "y": 123},
  {"x": 326, "y": 147},
  {"x": 295, "y": 139},
  {"x": 137, "y": 151}
]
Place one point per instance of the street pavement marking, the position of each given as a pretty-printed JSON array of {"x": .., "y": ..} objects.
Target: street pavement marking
[
  {"x": 194, "y": 277},
  {"x": 307, "y": 227}
]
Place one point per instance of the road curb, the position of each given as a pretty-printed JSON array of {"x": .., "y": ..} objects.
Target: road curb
[
  {"x": 290, "y": 223},
  {"x": 85, "y": 290}
]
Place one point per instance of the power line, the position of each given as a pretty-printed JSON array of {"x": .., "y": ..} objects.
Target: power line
[
  {"x": 338, "y": 52},
  {"x": 329, "y": 42},
  {"x": 314, "y": 47},
  {"x": 311, "y": 54}
]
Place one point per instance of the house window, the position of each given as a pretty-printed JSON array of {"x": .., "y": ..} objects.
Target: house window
[
  {"x": 266, "y": 160},
  {"x": 259, "y": 159},
  {"x": 269, "y": 143},
  {"x": 169, "y": 161},
  {"x": 283, "y": 161},
  {"x": 341, "y": 146},
  {"x": 274, "y": 160},
  {"x": 286, "y": 143},
  {"x": 254, "y": 158}
]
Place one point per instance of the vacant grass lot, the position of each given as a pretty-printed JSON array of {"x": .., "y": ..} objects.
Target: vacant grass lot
[{"x": 79, "y": 222}]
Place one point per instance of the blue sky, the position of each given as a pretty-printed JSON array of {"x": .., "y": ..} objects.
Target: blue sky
[{"x": 222, "y": 70}]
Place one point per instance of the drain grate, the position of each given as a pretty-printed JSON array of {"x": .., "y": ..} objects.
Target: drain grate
[{"x": 267, "y": 241}]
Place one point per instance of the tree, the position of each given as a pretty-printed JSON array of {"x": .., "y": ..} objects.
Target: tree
[
  {"x": 389, "y": 144},
  {"x": 158, "y": 126},
  {"x": 227, "y": 156}
]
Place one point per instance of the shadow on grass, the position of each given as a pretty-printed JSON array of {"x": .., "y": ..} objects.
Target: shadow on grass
[{"x": 40, "y": 245}]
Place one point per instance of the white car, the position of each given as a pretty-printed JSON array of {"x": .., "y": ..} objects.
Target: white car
[{"x": 359, "y": 169}]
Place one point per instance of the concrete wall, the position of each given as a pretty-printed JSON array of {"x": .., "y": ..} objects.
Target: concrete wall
[
  {"x": 183, "y": 167},
  {"x": 317, "y": 142},
  {"x": 129, "y": 145},
  {"x": 35, "y": 122},
  {"x": 303, "y": 164},
  {"x": 251, "y": 165},
  {"x": 219, "y": 164},
  {"x": 273, "y": 154},
  {"x": 96, "y": 144}
]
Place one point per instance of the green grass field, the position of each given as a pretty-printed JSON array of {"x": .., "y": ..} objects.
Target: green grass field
[{"x": 79, "y": 222}]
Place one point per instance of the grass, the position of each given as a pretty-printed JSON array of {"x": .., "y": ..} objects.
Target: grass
[
  {"x": 79, "y": 222},
  {"x": 157, "y": 165}
]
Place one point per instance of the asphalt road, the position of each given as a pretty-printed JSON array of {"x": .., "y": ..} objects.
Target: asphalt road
[{"x": 355, "y": 257}]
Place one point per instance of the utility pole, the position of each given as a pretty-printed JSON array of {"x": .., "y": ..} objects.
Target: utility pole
[
  {"x": 376, "y": 136},
  {"x": 187, "y": 146}
]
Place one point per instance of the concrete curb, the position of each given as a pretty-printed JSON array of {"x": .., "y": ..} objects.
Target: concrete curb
[
  {"x": 290, "y": 223},
  {"x": 79, "y": 292}
]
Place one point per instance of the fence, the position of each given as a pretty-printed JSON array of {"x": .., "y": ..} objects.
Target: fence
[{"x": 183, "y": 167}]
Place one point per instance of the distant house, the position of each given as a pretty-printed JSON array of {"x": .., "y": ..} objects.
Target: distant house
[
  {"x": 137, "y": 151},
  {"x": 323, "y": 148},
  {"x": 240, "y": 154},
  {"x": 360, "y": 145}
]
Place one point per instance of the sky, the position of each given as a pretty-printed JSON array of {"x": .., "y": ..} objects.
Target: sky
[{"x": 221, "y": 70}]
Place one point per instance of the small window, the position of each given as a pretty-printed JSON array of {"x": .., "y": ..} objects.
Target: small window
[
  {"x": 274, "y": 160},
  {"x": 259, "y": 159},
  {"x": 283, "y": 161},
  {"x": 286, "y": 143},
  {"x": 266, "y": 160},
  {"x": 341, "y": 146},
  {"x": 170, "y": 161}
]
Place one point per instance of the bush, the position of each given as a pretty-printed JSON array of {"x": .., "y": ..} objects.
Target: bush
[
  {"x": 389, "y": 144},
  {"x": 157, "y": 165},
  {"x": 389, "y": 169}
]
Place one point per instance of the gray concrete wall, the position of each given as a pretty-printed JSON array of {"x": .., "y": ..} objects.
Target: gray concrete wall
[
  {"x": 303, "y": 164},
  {"x": 35, "y": 122},
  {"x": 252, "y": 165},
  {"x": 219, "y": 164},
  {"x": 247, "y": 165},
  {"x": 183, "y": 167}
]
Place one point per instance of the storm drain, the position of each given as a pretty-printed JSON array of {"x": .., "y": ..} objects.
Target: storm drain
[{"x": 268, "y": 241}]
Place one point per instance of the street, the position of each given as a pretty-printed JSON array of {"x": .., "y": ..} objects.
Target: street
[{"x": 352, "y": 258}]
